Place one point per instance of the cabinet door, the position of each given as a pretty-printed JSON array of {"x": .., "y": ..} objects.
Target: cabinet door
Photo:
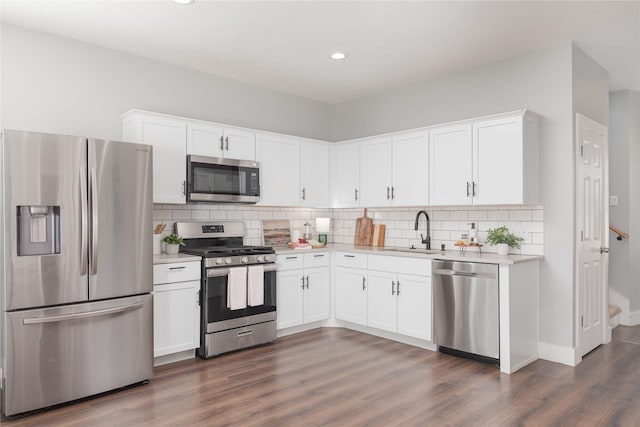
[
  {"x": 280, "y": 170},
  {"x": 351, "y": 295},
  {"x": 239, "y": 144},
  {"x": 382, "y": 307},
  {"x": 450, "y": 165},
  {"x": 410, "y": 169},
  {"x": 176, "y": 317},
  {"x": 347, "y": 175},
  {"x": 314, "y": 161},
  {"x": 316, "y": 294},
  {"x": 375, "y": 172},
  {"x": 498, "y": 161},
  {"x": 289, "y": 298},
  {"x": 169, "y": 139},
  {"x": 204, "y": 139},
  {"x": 414, "y": 306}
]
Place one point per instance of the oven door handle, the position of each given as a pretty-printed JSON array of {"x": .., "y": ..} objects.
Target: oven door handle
[{"x": 217, "y": 272}]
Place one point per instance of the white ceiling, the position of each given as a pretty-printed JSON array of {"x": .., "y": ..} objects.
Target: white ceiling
[{"x": 285, "y": 45}]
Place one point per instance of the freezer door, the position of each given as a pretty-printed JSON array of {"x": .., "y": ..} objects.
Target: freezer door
[
  {"x": 61, "y": 354},
  {"x": 45, "y": 185},
  {"x": 120, "y": 202}
]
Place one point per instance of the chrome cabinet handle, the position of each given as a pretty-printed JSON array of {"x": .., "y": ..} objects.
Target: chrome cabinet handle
[
  {"x": 184, "y": 188},
  {"x": 83, "y": 223},
  {"x": 226, "y": 139},
  {"x": 302, "y": 280},
  {"x": 468, "y": 191},
  {"x": 94, "y": 222},
  {"x": 349, "y": 256},
  {"x": 319, "y": 256},
  {"x": 356, "y": 192},
  {"x": 388, "y": 189},
  {"x": 177, "y": 268},
  {"x": 364, "y": 287},
  {"x": 473, "y": 189},
  {"x": 221, "y": 143},
  {"x": 393, "y": 287},
  {"x": 74, "y": 316},
  {"x": 304, "y": 194},
  {"x": 398, "y": 287},
  {"x": 393, "y": 196},
  {"x": 307, "y": 282},
  {"x": 291, "y": 257}
]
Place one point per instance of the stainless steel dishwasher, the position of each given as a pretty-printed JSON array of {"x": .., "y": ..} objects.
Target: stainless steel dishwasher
[{"x": 465, "y": 308}]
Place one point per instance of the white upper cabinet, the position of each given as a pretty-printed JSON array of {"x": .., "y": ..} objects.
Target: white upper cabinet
[
  {"x": 209, "y": 139},
  {"x": 375, "y": 172},
  {"x": 167, "y": 135},
  {"x": 279, "y": 159},
  {"x": 346, "y": 175},
  {"x": 314, "y": 180},
  {"x": 410, "y": 169},
  {"x": 485, "y": 162},
  {"x": 450, "y": 165}
]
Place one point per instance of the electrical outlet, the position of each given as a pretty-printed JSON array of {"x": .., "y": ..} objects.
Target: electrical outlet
[{"x": 613, "y": 201}]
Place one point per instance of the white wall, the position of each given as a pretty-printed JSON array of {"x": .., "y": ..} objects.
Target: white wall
[
  {"x": 540, "y": 81},
  {"x": 53, "y": 84},
  {"x": 624, "y": 156}
]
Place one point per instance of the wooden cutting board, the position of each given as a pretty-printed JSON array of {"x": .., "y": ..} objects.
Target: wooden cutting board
[
  {"x": 378, "y": 235},
  {"x": 364, "y": 230}
]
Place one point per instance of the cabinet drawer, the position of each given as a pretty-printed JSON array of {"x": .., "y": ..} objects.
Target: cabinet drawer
[
  {"x": 290, "y": 261},
  {"x": 349, "y": 259},
  {"x": 319, "y": 259},
  {"x": 176, "y": 272},
  {"x": 398, "y": 264}
]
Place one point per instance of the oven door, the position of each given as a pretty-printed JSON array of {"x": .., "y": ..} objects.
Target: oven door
[
  {"x": 216, "y": 316},
  {"x": 213, "y": 179}
]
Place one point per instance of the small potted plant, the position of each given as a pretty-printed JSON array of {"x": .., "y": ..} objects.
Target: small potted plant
[
  {"x": 172, "y": 243},
  {"x": 503, "y": 239}
]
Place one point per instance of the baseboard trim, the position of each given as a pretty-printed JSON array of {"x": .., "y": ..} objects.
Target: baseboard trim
[
  {"x": 559, "y": 354},
  {"x": 630, "y": 319},
  {"x": 174, "y": 357}
]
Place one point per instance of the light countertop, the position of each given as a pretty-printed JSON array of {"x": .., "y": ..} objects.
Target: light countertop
[
  {"x": 455, "y": 255},
  {"x": 166, "y": 258}
]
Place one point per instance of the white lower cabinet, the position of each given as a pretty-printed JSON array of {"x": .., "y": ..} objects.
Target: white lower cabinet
[
  {"x": 351, "y": 287},
  {"x": 303, "y": 289},
  {"x": 176, "y": 309},
  {"x": 400, "y": 302}
]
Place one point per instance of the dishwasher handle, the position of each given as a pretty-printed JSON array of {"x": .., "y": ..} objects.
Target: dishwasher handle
[{"x": 454, "y": 273}]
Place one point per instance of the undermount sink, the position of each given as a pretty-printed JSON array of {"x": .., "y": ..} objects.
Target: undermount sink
[{"x": 414, "y": 250}]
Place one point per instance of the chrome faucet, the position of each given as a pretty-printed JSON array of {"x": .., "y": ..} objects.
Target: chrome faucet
[{"x": 427, "y": 240}]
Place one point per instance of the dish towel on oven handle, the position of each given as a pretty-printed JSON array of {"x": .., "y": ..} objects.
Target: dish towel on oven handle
[
  {"x": 255, "y": 285},
  {"x": 237, "y": 288}
]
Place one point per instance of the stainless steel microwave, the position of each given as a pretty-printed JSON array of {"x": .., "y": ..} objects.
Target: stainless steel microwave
[{"x": 213, "y": 179}]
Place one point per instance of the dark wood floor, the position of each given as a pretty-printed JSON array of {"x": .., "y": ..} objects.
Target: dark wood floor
[{"x": 337, "y": 377}]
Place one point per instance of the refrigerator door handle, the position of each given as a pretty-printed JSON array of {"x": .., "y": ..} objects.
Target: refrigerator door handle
[
  {"x": 83, "y": 223},
  {"x": 76, "y": 316},
  {"x": 94, "y": 223}
]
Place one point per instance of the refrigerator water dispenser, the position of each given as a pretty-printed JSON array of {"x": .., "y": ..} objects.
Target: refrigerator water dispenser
[{"x": 38, "y": 230}]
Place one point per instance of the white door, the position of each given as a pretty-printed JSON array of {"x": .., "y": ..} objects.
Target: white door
[
  {"x": 289, "y": 298},
  {"x": 450, "y": 165},
  {"x": 176, "y": 317},
  {"x": 169, "y": 140},
  {"x": 279, "y": 159},
  {"x": 314, "y": 159},
  {"x": 414, "y": 306},
  {"x": 592, "y": 217},
  {"x": 375, "y": 172},
  {"x": 351, "y": 295},
  {"x": 316, "y": 294},
  {"x": 382, "y": 307},
  {"x": 498, "y": 162},
  {"x": 239, "y": 144},
  {"x": 204, "y": 139},
  {"x": 347, "y": 175},
  {"x": 411, "y": 169}
]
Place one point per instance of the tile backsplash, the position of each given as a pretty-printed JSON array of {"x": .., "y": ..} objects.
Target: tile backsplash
[{"x": 447, "y": 223}]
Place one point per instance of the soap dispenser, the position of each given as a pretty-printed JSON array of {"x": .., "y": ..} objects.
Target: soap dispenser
[{"x": 473, "y": 233}]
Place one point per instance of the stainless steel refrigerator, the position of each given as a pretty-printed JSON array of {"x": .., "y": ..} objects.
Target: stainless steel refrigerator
[{"x": 76, "y": 268}]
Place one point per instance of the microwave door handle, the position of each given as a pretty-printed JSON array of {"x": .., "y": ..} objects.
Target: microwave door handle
[
  {"x": 84, "y": 262},
  {"x": 94, "y": 222}
]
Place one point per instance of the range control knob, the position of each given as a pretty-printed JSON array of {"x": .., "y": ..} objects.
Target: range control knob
[
  {"x": 244, "y": 259},
  {"x": 219, "y": 261},
  {"x": 259, "y": 258},
  {"x": 227, "y": 261},
  {"x": 267, "y": 258}
]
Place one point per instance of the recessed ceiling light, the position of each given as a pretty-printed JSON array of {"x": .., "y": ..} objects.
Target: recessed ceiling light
[
  {"x": 338, "y": 56},
  {"x": 184, "y": 1}
]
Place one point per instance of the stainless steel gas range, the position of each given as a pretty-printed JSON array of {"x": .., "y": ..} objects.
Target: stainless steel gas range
[{"x": 238, "y": 297}]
